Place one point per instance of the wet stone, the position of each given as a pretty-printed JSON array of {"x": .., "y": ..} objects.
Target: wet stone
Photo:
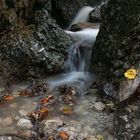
[
  {"x": 5, "y": 138},
  {"x": 7, "y": 121},
  {"x": 99, "y": 106},
  {"x": 24, "y": 123}
]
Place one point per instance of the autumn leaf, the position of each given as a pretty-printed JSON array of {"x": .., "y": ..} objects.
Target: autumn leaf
[
  {"x": 64, "y": 135},
  {"x": 47, "y": 100},
  {"x": 67, "y": 110},
  {"x": 99, "y": 137},
  {"x": 8, "y": 97},
  {"x": 131, "y": 74}
]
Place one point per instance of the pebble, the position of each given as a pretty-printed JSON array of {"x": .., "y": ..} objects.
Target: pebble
[
  {"x": 90, "y": 138},
  {"x": 23, "y": 112},
  {"x": 7, "y": 121},
  {"x": 13, "y": 105},
  {"x": 5, "y": 138},
  {"x": 24, "y": 123},
  {"x": 99, "y": 106},
  {"x": 17, "y": 117},
  {"x": 51, "y": 126}
]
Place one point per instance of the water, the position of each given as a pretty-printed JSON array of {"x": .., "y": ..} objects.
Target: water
[
  {"x": 80, "y": 52},
  {"x": 82, "y": 16}
]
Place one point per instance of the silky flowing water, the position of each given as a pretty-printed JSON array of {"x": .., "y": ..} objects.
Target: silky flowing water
[{"x": 85, "y": 118}]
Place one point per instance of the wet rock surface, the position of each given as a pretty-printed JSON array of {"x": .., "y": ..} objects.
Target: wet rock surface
[
  {"x": 127, "y": 120},
  {"x": 94, "y": 15},
  {"x": 34, "y": 51},
  {"x": 80, "y": 26},
  {"x": 64, "y": 11}
]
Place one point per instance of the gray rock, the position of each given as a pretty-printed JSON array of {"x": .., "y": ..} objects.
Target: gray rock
[
  {"x": 117, "y": 46},
  {"x": 94, "y": 15},
  {"x": 127, "y": 120},
  {"x": 34, "y": 50},
  {"x": 51, "y": 126},
  {"x": 24, "y": 123}
]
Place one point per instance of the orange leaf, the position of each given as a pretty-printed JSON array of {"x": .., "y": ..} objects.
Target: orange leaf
[
  {"x": 47, "y": 100},
  {"x": 8, "y": 97},
  {"x": 44, "y": 110},
  {"x": 64, "y": 135}
]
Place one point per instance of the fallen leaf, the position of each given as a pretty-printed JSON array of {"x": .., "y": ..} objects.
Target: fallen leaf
[
  {"x": 8, "y": 97},
  {"x": 64, "y": 135},
  {"x": 67, "y": 110},
  {"x": 130, "y": 74},
  {"x": 99, "y": 137},
  {"x": 47, "y": 100}
]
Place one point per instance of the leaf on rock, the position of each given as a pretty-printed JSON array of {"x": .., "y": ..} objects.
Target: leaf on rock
[
  {"x": 8, "y": 97},
  {"x": 99, "y": 137},
  {"x": 63, "y": 135},
  {"x": 131, "y": 74},
  {"x": 67, "y": 110}
]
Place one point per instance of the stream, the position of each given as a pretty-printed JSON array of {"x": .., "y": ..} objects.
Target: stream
[{"x": 88, "y": 117}]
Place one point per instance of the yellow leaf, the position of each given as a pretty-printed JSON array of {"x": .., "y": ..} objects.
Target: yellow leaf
[
  {"x": 131, "y": 73},
  {"x": 67, "y": 110},
  {"x": 99, "y": 137}
]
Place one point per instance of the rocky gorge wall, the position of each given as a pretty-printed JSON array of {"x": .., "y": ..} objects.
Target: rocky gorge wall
[
  {"x": 117, "y": 49},
  {"x": 118, "y": 43}
]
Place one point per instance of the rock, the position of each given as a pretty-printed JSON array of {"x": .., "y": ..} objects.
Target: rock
[
  {"x": 12, "y": 12},
  {"x": 34, "y": 50},
  {"x": 72, "y": 132},
  {"x": 99, "y": 106},
  {"x": 13, "y": 105},
  {"x": 7, "y": 121},
  {"x": 5, "y": 138},
  {"x": 51, "y": 126},
  {"x": 94, "y": 15},
  {"x": 80, "y": 26},
  {"x": 127, "y": 121},
  {"x": 23, "y": 113},
  {"x": 17, "y": 118},
  {"x": 105, "y": 120},
  {"x": 63, "y": 11},
  {"x": 24, "y": 123},
  {"x": 118, "y": 44},
  {"x": 91, "y": 138},
  {"x": 128, "y": 87}
]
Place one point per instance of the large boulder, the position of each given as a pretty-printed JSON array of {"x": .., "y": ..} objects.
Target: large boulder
[
  {"x": 34, "y": 50},
  {"x": 127, "y": 120},
  {"x": 117, "y": 46}
]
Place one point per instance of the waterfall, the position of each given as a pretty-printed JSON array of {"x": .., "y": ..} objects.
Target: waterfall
[
  {"x": 82, "y": 16},
  {"x": 80, "y": 52}
]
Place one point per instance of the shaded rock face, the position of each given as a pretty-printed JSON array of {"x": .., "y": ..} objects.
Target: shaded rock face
[
  {"x": 127, "y": 120},
  {"x": 34, "y": 50},
  {"x": 79, "y": 26},
  {"x": 12, "y": 11},
  {"x": 64, "y": 10},
  {"x": 117, "y": 46},
  {"x": 94, "y": 15}
]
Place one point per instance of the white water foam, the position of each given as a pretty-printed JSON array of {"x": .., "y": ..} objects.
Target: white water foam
[{"x": 82, "y": 16}]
